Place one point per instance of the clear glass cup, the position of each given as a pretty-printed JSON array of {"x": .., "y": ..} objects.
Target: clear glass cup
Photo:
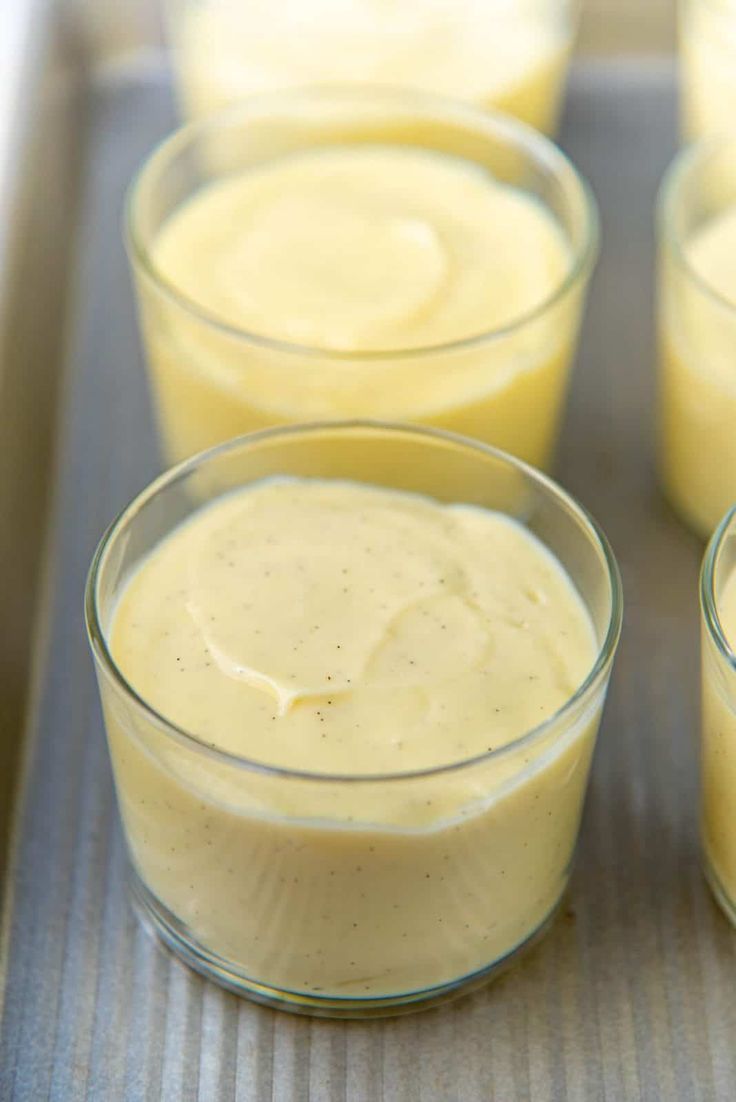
[
  {"x": 238, "y": 865},
  {"x": 707, "y": 39},
  {"x": 212, "y": 381},
  {"x": 697, "y": 340},
  {"x": 718, "y": 736},
  {"x": 509, "y": 55}
]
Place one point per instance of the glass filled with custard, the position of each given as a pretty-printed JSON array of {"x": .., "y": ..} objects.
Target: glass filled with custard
[
  {"x": 352, "y": 676},
  {"x": 697, "y": 332},
  {"x": 508, "y": 55},
  {"x": 707, "y": 49},
  {"x": 329, "y": 254}
]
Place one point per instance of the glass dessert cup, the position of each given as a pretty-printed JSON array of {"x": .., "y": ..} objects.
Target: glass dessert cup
[
  {"x": 505, "y": 55},
  {"x": 697, "y": 339},
  {"x": 707, "y": 49},
  {"x": 239, "y": 864},
  {"x": 212, "y": 381}
]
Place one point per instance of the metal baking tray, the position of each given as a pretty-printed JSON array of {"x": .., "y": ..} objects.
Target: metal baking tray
[
  {"x": 40, "y": 162},
  {"x": 631, "y": 996}
]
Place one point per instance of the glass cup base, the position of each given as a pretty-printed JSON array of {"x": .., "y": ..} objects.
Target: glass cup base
[
  {"x": 176, "y": 937},
  {"x": 719, "y": 892}
]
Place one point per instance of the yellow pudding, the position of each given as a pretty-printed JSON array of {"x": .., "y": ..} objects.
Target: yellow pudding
[
  {"x": 344, "y": 628},
  {"x": 340, "y": 628},
  {"x": 365, "y": 248},
  {"x": 718, "y": 744},
  {"x": 351, "y": 677},
  {"x": 508, "y": 54},
  {"x": 361, "y": 281},
  {"x": 698, "y": 371},
  {"x": 707, "y": 31}
]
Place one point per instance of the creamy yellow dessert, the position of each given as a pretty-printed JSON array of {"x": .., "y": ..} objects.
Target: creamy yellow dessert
[
  {"x": 508, "y": 54},
  {"x": 708, "y": 66},
  {"x": 340, "y": 628},
  {"x": 321, "y": 277},
  {"x": 698, "y": 373},
  {"x": 718, "y": 754}
]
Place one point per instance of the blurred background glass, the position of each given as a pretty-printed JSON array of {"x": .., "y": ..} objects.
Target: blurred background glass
[
  {"x": 707, "y": 34},
  {"x": 511, "y": 55},
  {"x": 697, "y": 332},
  {"x": 606, "y": 26},
  {"x": 504, "y": 382}
]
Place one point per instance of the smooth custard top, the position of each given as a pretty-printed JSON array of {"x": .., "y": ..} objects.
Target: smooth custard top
[
  {"x": 340, "y": 627},
  {"x": 363, "y": 248}
]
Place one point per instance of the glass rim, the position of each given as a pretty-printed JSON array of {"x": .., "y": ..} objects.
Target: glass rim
[
  {"x": 484, "y": 122},
  {"x": 708, "y": 599},
  {"x": 105, "y": 661},
  {"x": 688, "y": 160}
]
